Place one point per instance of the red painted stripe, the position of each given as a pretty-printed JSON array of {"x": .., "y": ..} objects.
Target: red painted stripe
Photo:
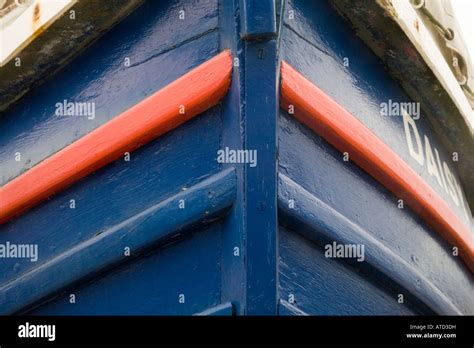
[
  {"x": 327, "y": 118},
  {"x": 197, "y": 91}
]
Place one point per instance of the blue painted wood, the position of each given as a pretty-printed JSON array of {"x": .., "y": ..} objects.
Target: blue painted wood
[
  {"x": 205, "y": 202},
  {"x": 258, "y": 19},
  {"x": 123, "y": 189},
  {"x": 233, "y": 242},
  {"x": 321, "y": 286},
  {"x": 111, "y": 195},
  {"x": 160, "y": 49},
  {"x": 152, "y": 284},
  {"x": 316, "y": 41},
  {"x": 224, "y": 309},
  {"x": 153, "y": 37},
  {"x": 325, "y": 225},
  {"x": 334, "y": 200},
  {"x": 355, "y": 195},
  {"x": 260, "y": 109},
  {"x": 388, "y": 40},
  {"x": 155, "y": 41}
]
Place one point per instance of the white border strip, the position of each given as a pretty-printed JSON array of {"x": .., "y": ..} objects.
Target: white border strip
[
  {"x": 18, "y": 34},
  {"x": 406, "y": 17}
]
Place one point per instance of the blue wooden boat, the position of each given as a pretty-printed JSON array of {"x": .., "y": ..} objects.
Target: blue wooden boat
[{"x": 233, "y": 157}]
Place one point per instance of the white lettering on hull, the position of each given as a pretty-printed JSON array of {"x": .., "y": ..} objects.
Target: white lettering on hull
[{"x": 423, "y": 153}]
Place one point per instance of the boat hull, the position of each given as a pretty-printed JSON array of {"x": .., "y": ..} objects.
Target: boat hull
[{"x": 171, "y": 229}]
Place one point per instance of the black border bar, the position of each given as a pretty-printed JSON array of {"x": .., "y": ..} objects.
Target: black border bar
[{"x": 262, "y": 330}]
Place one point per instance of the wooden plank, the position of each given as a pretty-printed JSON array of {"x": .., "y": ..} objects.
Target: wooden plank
[
  {"x": 261, "y": 109},
  {"x": 206, "y": 201},
  {"x": 327, "y": 118},
  {"x": 233, "y": 267},
  {"x": 258, "y": 19},
  {"x": 168, "y": 108},
  {"x": 322, "y": 224}
]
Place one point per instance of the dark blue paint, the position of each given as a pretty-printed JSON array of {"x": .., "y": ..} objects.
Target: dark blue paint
[
  {"x": 165, "y": 49},
  {"x": 252, "y": 223},
  {"x": 261, "y": 105},
  {"x": 204, "y": 201},
  {"x": 335, "y": 200},
  {"x": 111, "y": 195},
  {"x": 116, "y": 192},
  {"x": 324, "y": 287},
  {"x": 408, "y": 67},
  {"x": 232, "y": 266},
  {"x": 258, "y": 19},
  {"x": 324, "y": 225},
  {"x": 160, "y": 47},
  {"x": 152, "y": 284},
  {"x": 315, "y": 43},
  {"x": 319, "y": 168}
]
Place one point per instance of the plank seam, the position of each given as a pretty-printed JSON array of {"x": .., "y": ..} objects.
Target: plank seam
[
  {"x": 176, "y": 103},
  {"x": 206, "y": 202},
  {"x": 323, "y": 221},
  {"x": 346, "y": 133}
]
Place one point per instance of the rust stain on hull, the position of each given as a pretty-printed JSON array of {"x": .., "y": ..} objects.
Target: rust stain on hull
[{"x": 36, "y": 15}]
